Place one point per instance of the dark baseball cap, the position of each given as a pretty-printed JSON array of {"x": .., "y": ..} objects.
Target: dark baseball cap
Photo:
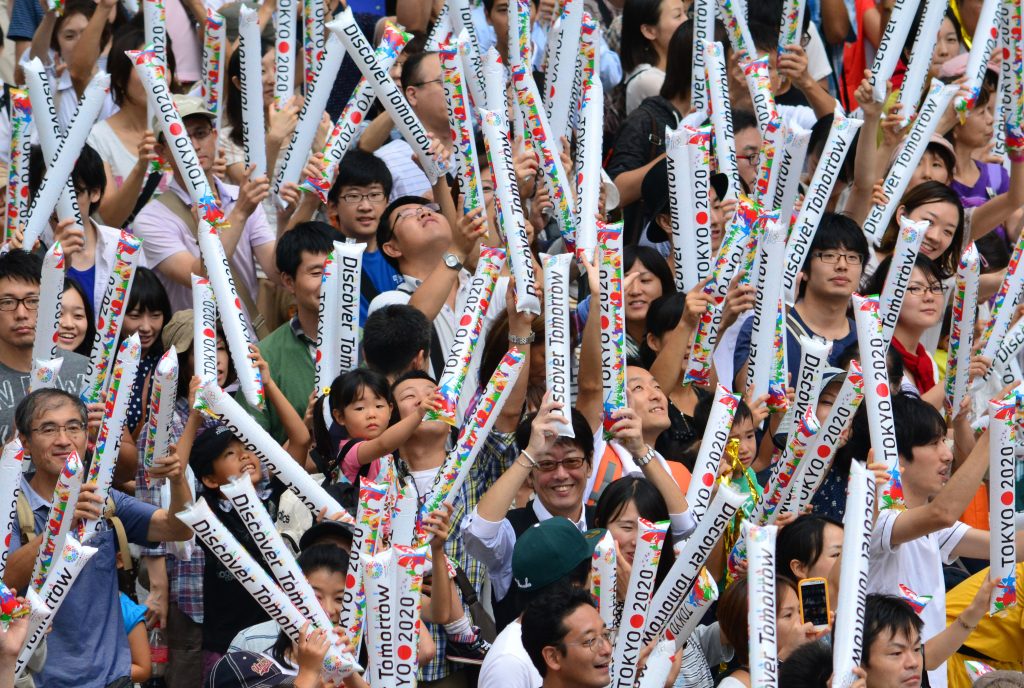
[
  {"x": 654, "y": 191},
  {"x": 549, "y": 551},
  {"x": 208, "y": 447},
  {"x": 246, "y": 670}
]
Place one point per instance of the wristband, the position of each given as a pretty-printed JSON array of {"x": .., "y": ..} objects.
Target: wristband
[
  {"x": 521, "y": 341},
  {"x": 533, "y": 464},
  {"x": 964, "y": 625}
]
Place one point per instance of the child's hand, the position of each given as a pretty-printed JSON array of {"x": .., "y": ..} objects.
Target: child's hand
[
  {"x": 193, "y": 389},
  {"x": 866, "y": 98},
  {"x": 433, "y": 402},
  {"x": 758, "y": 407},
  {"x": 70, "y": 235},
  {"x": 438, "y": 523},
  {"x": 169, "y": 466},
  {"x": 257, "y": 359},
  {"x": 12, "y": 639},
  {"x": 311, "y": 649}
]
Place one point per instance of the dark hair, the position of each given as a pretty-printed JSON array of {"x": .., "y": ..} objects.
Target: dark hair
[
  {"x": 876, "y": 282},
  {"x": 680, "y": 55},
  {"x": 185, "y": 380},
  {"x": 148, "y": 294},
  {"x": 663, "y": 316},
  {"x": 650, "y": 505},
  {"x": 312, "y": 559},
  {"x": 765, "y": 34},
  {"x": 86, "y": 8},
  {"x": 393, "y": 336},
  {"x": 120, "y": 66},
  {"x": 743, "y": 120},
  {"x": 359, "y": 168},
  {"x": 887, "y": 613},
  {"x": 808, "y": 666},
  {"x": 544, "y": 621},
  {"x": 584, "y": 434},
  {"x": 411, "y": 375},
  {"x": 233, "y": 103},
  {"x": 634, "y": 48},
  {"x": 916, "y": 423},
  {"x": 43, "y": 400},
  {"x": 923, "y": 194},
  {"x": 345, "y": 389},
  {"x": 653, "y": 261},
  {"x": 313, "y": 237},
  {"x": 835, "y": 231},
  {"x": 495, "y": 346},
  {"x": 384, "y": 227},
  {"x": 803, "y": 540},
  {"x": 412, "y": 67},
  {"x": 85, "y": 348},
  {"x": 87, "y": 174},
  {"x": 732, "y": 614},
  {"x": 21, "y": 266}
]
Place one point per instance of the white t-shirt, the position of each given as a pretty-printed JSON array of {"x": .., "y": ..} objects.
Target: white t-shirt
[
  {"x": 113, "y": 151},
  {"x": 642, "y": 83},
  {"x": 507, "y": 665},
  {"x": 424, "y": 480},
  {"x": 918, "y": 565}
]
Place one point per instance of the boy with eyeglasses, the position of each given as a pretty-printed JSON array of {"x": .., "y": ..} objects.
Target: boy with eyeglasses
[
  {"x": 354, "y": 206},
  {"x": 20, "y": 274},
  {"x": 831, "y": 274}
]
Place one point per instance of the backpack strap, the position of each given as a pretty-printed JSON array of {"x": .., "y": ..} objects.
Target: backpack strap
[
  {"x": 109, "y": 511},
  {"x": 26, "y": 519},
  {"x": 173, "y": 202},
  {"x": 148, "y": 189}
]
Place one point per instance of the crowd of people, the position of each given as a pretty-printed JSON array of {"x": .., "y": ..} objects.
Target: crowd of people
[{"x": 523, "y": 467}]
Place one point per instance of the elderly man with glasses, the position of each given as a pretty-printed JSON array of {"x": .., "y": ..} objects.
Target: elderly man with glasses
[{"x": 19, "y": 309}]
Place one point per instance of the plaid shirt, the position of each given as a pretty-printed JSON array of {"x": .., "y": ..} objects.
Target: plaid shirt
[
  {"x": 184, "y": 576},
  {"x": 497, "y": 454}
]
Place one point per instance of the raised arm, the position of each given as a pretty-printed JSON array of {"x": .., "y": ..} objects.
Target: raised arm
[
  {"x": 87, "y": 50},
  {"x": 588, "y": 398}
]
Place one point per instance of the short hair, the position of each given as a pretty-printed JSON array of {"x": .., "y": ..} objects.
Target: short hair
[
  {"x": 393, "y": 336},
  {"x": 88, "y": 173},
  {"x": 835, "y": 231},
  {"x": 359, "y": 168},
  {"x": 384, "y": 228},
  {"x": 148, "y": 294},
  {"x": 916, "y": 423},
  {"x": 887, "y": 613},
  {"x": 544, "y": 622},
  {"x": 412, "y": 375},
  {"x": 808, "y": 666},
  {"x": 581, "y": 428},
  {"x": 313, "y": 237},
  {"x": 803, "y": 540},
  {"x": 412, "y": 67},
  {"x": 765, "y": 35},
  {"x": 21, "y": 266},
  {"x": 44, "y": 400},
  {"x": 1000, "y": 679},
  {"x": 743, "y": 120}
]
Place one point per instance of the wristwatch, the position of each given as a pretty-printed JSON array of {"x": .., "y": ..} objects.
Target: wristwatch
[
  {"x": 646, "y": 458},
  {"x": 451, "y": 261},
  {"x": 522, "y": 341}
]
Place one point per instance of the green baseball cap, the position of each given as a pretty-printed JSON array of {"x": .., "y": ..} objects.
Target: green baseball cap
[{"x": 548, "y": 551}]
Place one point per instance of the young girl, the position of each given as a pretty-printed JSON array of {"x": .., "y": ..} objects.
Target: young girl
[
  {"x": 361, "y": 403},
  {"x": 147, "y": 310},
  {"x": 77, "y": 327}
]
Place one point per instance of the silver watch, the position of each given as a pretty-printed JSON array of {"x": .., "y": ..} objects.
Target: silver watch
[
  {"x": 646, "y": 458},
  {"x": 451, "y": 261}
]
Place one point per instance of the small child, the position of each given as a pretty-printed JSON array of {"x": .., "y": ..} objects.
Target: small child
[
  {"x": 138, "y": 640},
  {"x": 361, "y": 402}
]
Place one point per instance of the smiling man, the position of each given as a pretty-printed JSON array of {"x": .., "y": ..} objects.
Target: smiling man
[
  {"x": 567, "y": 641},
  {"x": 87, "y": 646},
  {"x": 168, "y": 227}
]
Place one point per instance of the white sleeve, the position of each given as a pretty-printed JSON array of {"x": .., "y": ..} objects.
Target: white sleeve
[{"x": 491, "y": 544}]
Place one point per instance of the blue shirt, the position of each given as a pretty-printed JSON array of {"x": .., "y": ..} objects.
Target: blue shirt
[
  {"x": 742, "y": 351},
  {"x": 88, "y": 646},
  {"x": 133, "y": 613},
  {"x": 87, "y": 280},
  {"x": 382, "y": 275},
  {"x": 25, "y": 19}
]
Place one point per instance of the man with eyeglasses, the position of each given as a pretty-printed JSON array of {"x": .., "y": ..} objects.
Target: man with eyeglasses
[
  {"x": 831, "y": 274},
  {"x": 87, "y": 646},
  {"x": 168, "y": 225},
  {"x": 19, "y": 310},
  {"x": 567, "y": 641},
  {"x": 423, "y": 87}
]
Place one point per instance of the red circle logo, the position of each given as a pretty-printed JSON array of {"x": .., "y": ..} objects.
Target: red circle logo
[
  {"x": 702, "y": 218},
  {"x": 175, "y": 129},
  {"x": 404, "y": 652},
  {"x": 823, "y": 451},
  {"x": 283, "y": 47},
  {"x": 636, "y": 621},
  {"x": 882, "y": 390},
  {"x": 1007, "y": 498},
  {"x": 708, "y": 479}
]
